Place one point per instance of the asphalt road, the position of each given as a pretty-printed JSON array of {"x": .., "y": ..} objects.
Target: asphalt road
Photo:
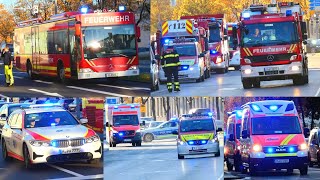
[
  {"x": 25, "y": 87},
  {"x": 229, "y": 84},
  {"x": 313, "y": 173},
  {"x": 71, "y": 171},
  {"x": 158, "y": 161}
]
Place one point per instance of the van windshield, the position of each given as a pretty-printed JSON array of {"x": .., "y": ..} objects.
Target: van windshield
[
  {"x": 276, "y": 125},
  {"x": 197, "y": 125},
  {"x": 119, "y": 120}
]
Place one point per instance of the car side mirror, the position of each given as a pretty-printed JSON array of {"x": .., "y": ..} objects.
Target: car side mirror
[
  {"x": 305, "y": 42},
  {"x": 175, "y": 132},
  {"x": 231, "y": 137},
  {"x": 143, "y": 123},
  {"x": 306, "y": 132},
  {"x": 83, "y": 120},
  {"x": 244, "y": 134}
]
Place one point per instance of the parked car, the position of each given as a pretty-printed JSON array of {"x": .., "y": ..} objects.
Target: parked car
[{"x": 162, "y": 131}]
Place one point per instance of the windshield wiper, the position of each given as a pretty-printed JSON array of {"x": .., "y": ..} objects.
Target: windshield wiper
[{"x": 114, "y": 55}]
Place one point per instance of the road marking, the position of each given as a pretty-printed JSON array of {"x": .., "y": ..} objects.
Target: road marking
[
  {"x": 127, "y": 88},
  {"x": 81, "y": 177},
  {"x": 46, "y": 93},
  {"x": 97, "y": 91},
  {"x": 17, "y": 77},
  {"x": 65, "y": 170},
  {"x": 318, "y": 92},
  {"x": 45, "y": 82},
  {"x": 229, "y": 89}
]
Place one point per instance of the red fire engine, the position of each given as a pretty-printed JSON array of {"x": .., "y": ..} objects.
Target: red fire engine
[
  {"x": 79, "y": 45},
  {"x": 234, "y": 53},
  {"x": 218, "y": 40},
  {"x": 272, "y": 44}
]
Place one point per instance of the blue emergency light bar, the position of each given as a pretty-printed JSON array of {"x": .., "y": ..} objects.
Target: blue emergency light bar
[
  {"x": 213, "y": 51},
  {"x": 84, "y": 9},
  {"x": 122, "y": 8}
]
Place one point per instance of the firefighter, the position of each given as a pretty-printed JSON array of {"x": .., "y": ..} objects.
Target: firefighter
[
  {"x": 170, "y": 64},
  {"x": 8, "y": 64}
]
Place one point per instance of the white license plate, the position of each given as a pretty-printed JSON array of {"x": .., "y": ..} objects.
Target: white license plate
[
  {"x": 281, "y": 161},
  {"x": 111, "y": 75},
  {"x": 127, "y": 140},
  {"x": 69, "y": 151},
  {"x": 271, "y": 69},
  {"x": 195, "y": 148}
]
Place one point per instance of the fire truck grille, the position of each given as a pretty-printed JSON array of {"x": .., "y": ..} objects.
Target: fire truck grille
[
  {"x": 127, "y": 133},
  {"x": 269, "y": 58},
  {"x": 69, "y": 143}
]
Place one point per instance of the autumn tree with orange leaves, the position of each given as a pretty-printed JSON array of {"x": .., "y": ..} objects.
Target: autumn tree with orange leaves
[{"x": 7, "y": 25}]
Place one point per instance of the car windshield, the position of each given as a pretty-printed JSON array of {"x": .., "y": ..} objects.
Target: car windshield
[
  {"x": 269, "y": 34},
  {"x": 119, "y": 120},
  {"x": 109, "y": 41},
  {"x": 197, "y": 125},
  {"x": 154, "y": 124},
  {"x": 214, "y": 34},
  {"x": 52, "y": 101},
  {"x": 185, "y": 49},
  {"x": 276, "y": 125},
  {"x": 47, "y": 119}
]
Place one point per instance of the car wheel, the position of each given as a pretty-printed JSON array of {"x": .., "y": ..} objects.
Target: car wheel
[
  {"x": 93, "y": 161},
  {"x": 304, "y": 170},
  {"x": 138, "y": 143},
  {"x": 61, "y": 73},
  {"x": 237, "y": 164},
  {"x": 299, "y": 80},
  {"x": 29, "y": 71},
  {"x": 26, "y": 156},
  {"x": 5, "y": 152},
  {"x": 256, "y": 84},
  {"x": 237, "y": 68},
  {"x": 229, "y": 165},
  {"x": 246, "y": 83},
  {"x": 148, "y": 137},
  {"x": 180, "y": 156}
]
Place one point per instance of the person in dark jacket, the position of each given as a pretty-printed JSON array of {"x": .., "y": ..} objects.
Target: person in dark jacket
[
  {"x": 170, "y": 65},
  {"x": 8, "y": 64}
]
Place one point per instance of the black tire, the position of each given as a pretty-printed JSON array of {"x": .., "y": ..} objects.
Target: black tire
[
  {"x": 221, "y": 71},
  {"x": 61, "y": 73},
  {"x": 148, "y": 137},
  {"x": 299, "y": 80},
  {"x": 244, "y": 170},
  {"x": 237, "y": 68},
  {"x": 246, "y": 83},
  {"x": 138, "y": 143},
  {"x": 93, "y": 161},
  {"x": 26, "y": 157},
  {"x": 134, "y": 144},
  {"x": 252, "y": 170},
  {"x": 202, "y": 77},
  {"x": 180, "y": 156},
  {"x": 304, "y": 170},
  {"x": 256, "y": 84},
  {"x": 217, "y": 154},
  {"x": 5, "y": 155},
  {"x": 229, "y": 165},
  {"x": 29, "y": 71},
  {"x": 237, "y": 163}
]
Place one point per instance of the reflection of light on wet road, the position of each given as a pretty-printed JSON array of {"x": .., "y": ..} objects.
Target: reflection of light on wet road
[
  {"x": 296, "y": 92},
  {"x": 220, "y": 80}
]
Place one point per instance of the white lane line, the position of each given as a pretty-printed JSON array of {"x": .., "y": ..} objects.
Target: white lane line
[
  {"x": 81, "y": 177},
  {"x": 127, "y": 88},
  {"x": 65, "y": 170},
  {"x": 45, "y": 82},
  {"x": 1, "y": 95},
  {"x": 318, "y": 93},
  {"x": 97, "y": 91},
  {"x": 17, "y": 77},
  {"x": 46, "y": 93}
]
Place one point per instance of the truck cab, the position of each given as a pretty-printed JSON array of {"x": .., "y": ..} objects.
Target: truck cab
[{"x": 272, "y": 137}]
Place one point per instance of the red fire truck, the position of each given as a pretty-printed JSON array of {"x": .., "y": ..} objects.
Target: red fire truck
[
  {"x": 78, "y": 45},
  {"x": 218, "y": 40},
  {"x": 233, "y": 52},
  {"x": 272, "y": 44}
]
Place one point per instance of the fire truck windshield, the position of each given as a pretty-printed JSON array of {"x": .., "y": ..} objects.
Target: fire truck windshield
[
  {"x": 109, "y": 41},
  {"x": 119, "y": 120},
  {"x": 214, "y": 34},
  {"x": 196, "y": 125},
  {"x": 269, "y": 34},
  {"x": 184, "y": 49},
  {"x": 276, "y": 125}
]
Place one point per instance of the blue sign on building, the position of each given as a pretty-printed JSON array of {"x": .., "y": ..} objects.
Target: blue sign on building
[{"x": 314, "y": 3}]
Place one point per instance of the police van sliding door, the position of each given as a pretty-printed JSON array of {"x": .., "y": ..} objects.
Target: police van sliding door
[{"x": 35, "y": 48}]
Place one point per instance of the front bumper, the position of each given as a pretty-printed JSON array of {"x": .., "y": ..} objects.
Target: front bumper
[
  {"x": 235, "y": 61},
  {"x": 269, "y": 163},
  {"x": 283, "y": 72},
  {"x": 126, "y": 139},
  {"x": 92, "y": 75},
  {"x": 192, "y": 73},
  {"x": 51, "y": 154},
  {"x": 214, "y": 66},
  {"x": 210, "y": 148}
]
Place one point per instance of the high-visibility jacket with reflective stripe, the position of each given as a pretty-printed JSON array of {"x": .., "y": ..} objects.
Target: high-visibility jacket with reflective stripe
[{"x": 170, "y": 59}]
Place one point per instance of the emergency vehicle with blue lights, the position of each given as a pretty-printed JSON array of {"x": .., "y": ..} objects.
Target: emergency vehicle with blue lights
[
  {"x": 123, "y": 124},
  {"x": 78, "y": 45},
  {"x": 272, "y": 137},
  {"x": 188, "y": 41},
  {"x": 271, "y": 44},
  {"x": 48, "y": 135},
  {"x": 216, "y": 31},
  {"x": 232, "y": 144},
  {"x": 197, "y": 135}
]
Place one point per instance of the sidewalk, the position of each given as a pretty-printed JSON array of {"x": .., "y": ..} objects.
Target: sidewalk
[{"x": 105, "y": 146}]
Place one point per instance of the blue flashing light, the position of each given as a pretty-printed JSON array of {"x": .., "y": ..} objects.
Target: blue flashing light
[
  {"x": 122, "y": 8},
  {"x": 203, "y": 142},
  {"x": 213, "y": 19},
  {"x": 239, "y": 113},
  {"x": 166, "y": 41},
  {"x": 255, "y": 107},
  {"x": 121, "y": 134},
  {"x": 53, "y": 124},
  {"x": 213, "y": 51},
  {"x": 270, "y": 150},
  {"x": 291, "y": 149},
  {"x": 116, "y": 107},
  {"x": 210, "y": 114},
  {"x": 184, "y": 67},
  {"x": 246, "y": 15},
  {"x": 132, "y": 106},
  {"x": 191, "y": 142},
  {"x": 84, "y": 9},
  {"x": 273, "y": 108},
  {"x": 288, "y": 12},
  {"x": 54, "y": 143}
]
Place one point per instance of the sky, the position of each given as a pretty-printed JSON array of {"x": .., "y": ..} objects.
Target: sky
[{"x": 7, "y": 2}]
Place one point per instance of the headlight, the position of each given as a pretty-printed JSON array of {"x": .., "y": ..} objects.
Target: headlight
[
  {"x": 137, "y": 131},
  {"x": 246, "y": 60},
  {"x": 191, "y": 68},
  {"x": 85, "y": 70},
  {"x": 181, "y": 142},
  {"x": 257, "y": 147},
  {"x": 219, "y": 59},
  {"x": 133, "y": 68},
  {"x": 91, "y": 139},
  {"x": 293, "y": 57},
  {"x": 214, "y": 140},
  {"x": 303, "y": 146},
  {"x": 247, "y": 71},
  {"x": 39, "y": 143}
]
